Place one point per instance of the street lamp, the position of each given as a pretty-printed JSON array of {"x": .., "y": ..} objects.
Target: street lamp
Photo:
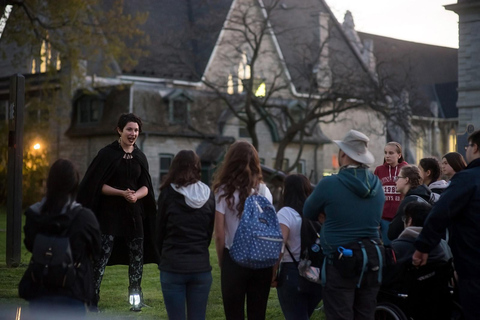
[{"x": 36, "y": 146}]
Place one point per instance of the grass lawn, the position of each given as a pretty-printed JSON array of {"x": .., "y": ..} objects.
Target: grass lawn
[{"x": 114, "y": 290}]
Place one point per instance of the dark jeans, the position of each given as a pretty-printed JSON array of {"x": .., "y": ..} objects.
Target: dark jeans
[
  {"x": 238, "y": 282},
  {"x": 56, "y": 307},
  {"x": 191, "y": 289},
  {"x": 344, "y": 301},
  {"x": 469, "y": 291},
  {"x": 297, "y": 302}
]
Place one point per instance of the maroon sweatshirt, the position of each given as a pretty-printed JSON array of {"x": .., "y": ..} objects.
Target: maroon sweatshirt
[{"x": 386, "y": 174}]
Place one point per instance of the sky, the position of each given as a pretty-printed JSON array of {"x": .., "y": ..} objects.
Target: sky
[{"x": 424, "y": 21}]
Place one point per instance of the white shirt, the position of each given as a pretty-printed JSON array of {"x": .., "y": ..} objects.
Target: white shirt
[
  {"x": 293, "y": 221},
  {"x": 231, "y": 216}
]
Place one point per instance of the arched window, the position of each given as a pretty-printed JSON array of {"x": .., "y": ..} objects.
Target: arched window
[
  {"x": 452, "y": 141},
  {"x": 419, "y": 149}
]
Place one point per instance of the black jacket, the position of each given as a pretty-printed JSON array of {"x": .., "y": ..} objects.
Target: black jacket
[
  {"x": 85, "y": 242},
  {"x": 184, "y": 233},
  {"x": 458, "y": 209},
  {"x": 396, "y": 226}
]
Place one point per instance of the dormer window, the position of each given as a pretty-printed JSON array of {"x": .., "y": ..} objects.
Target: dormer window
[
  {"x": 89, "y": 109},
  {"x": 178, "y": 107}
]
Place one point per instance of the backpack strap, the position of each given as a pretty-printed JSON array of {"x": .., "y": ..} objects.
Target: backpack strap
[
  {"x": 380, "y": 260},
  {"x": 291, "y": 255},
  {"x": 365, "y": 261}
]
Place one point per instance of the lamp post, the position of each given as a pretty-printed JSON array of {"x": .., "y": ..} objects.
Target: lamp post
[{"x": 14, "y": 169}]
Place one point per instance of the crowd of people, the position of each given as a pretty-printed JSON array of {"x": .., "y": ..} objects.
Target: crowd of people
[{"x": 110, "y": 217}]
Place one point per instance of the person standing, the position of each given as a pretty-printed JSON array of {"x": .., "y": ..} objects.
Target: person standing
[
  {"x": 297, "y": 302},
  {"x": 458, "y": 210},
  {"x": 239, "y": 176},
  {"x": 430, "y": 172},
  {"x": 186, "y": 213},
  {"x": 452, "y": 163},
  {"x": 353, "y": 203},
  {"x": 387, "y": 173},
  {"x": 118, "y": 188},
  {"x": 58, "y": 214}
]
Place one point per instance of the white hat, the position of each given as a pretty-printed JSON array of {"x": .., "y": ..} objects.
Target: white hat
[{"x": 355, "y": 145}]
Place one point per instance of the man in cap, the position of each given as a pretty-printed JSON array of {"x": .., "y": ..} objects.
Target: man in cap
[
  {"x": 458, "y": 209},
  {"x": 352, "y": 202}
]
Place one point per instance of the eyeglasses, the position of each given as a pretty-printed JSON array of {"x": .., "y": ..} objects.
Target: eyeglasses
[
  {"x": 395, "y": 179},
  {"x": 469, "y": 145}
]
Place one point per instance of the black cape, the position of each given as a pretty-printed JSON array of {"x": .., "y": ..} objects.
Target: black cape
[{"x": 90, "y": 190}]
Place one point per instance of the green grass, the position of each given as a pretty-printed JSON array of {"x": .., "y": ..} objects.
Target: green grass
[{"x": 114, "y": 290}]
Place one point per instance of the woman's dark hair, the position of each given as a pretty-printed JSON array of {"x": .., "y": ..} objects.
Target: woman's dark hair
[
  {"x": 456, "y": 161},
  {"x": 432, "y": 165},
  {"x": 239, "y": 171},
  {"x": 126, "y": 118},
  {"x": 418, "y": 212},
  {"x": 296, "y": 191},
  {"x": 398, "y": 148},
  {"x": 413, "y": 175},
  {"x": 62, "y": 185},
  {"x": 185, "y": 169}
]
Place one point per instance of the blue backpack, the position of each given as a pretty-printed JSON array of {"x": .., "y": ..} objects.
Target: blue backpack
[{"x": 258, "y": 241}]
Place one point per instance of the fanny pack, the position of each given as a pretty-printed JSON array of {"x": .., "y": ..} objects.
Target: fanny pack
[{"x": 358, "y": 258}]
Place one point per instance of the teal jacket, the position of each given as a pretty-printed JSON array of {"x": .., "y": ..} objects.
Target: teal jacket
[{"x": 353, "y": 203}]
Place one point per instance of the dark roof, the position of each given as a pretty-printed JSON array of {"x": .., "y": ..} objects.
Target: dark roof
[
  {"x": 182, "y": 36},
  {"x": 429, "y": 72}
]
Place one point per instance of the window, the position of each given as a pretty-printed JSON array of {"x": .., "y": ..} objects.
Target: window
[
  {"x": 301, "y": 166},
  {"x": 419, "y": 149},
  {"x": 178, "y": 106},
  {"x": 452, "y": 141},
  {"x": 89, "y": 109},
  {"x": 284, "y": 164},
  {"x": 165, "y": 162},
  {"x": 179, "y": 111}
]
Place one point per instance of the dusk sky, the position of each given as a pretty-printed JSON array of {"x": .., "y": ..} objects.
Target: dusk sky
[{"x": 424, "y": 21}]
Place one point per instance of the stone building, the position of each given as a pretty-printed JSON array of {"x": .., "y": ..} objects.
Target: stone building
[{"x": 468, "y": 68}]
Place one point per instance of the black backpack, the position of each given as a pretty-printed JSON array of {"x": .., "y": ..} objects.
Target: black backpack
[{"x": 52, "y": 265}]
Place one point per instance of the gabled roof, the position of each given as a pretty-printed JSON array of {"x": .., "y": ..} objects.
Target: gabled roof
[
  {"x": 183, "y": 35},
  {"x": 430, "y": 70}
]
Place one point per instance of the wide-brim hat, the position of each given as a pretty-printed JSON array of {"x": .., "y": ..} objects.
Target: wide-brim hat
[{"x": 355, "y": 145}]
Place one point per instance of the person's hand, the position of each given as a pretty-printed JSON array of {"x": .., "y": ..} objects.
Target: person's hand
[
  {"x": 321, "y": 217},
  {"x": 130, "y": 196},
  {"x": 419, "y": 258}
]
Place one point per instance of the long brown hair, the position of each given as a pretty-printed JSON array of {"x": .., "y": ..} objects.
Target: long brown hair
[
  {"x": 185, "y": 170},
  {"x": 296, "y": 190},
  {"x": 239, "y": 171},
  {"x": 456, "y": 161}
]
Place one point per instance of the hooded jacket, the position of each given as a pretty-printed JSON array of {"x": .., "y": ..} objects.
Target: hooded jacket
[
  {"x": 387, "y": 174},
  {"x": 437, "y": 187},
  {"x": 420, "y": 193},
  {"x": 184, "y": 228},
  {"x": 352, "y": 201},
  {"x": 404, "y": 249}
]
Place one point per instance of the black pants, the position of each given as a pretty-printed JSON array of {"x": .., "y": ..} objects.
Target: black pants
[
  {"x": 344, "y": 301},
  {"x": 239, "y": 282},
  {"x": 135, "y": 269}
]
